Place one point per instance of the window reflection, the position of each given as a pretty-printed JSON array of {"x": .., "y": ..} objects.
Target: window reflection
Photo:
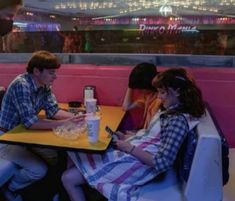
[
  {"x": 197, "y": 35},
  {"x": 206, "y": 42}
]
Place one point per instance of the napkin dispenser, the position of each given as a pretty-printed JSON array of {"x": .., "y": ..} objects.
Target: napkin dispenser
[{"x": 89, "y": 93}]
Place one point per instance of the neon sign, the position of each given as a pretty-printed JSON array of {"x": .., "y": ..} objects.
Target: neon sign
[{"x": 166, "y": 29}]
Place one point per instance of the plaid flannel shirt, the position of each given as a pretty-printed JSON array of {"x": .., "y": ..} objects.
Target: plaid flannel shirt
[
  {"x": 23, "y": 101},
  {"x": 174, "y": 129}
]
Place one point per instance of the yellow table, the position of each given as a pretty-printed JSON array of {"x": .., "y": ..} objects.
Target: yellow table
[{"x": 110, "y": 116}]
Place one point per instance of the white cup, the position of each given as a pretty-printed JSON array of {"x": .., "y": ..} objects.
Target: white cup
[
  {"x": 91, "y": 105},
  {"x": 93, "y": 127}
]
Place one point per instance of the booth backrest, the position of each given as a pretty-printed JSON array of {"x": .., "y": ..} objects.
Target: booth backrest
[
  {"x": 205, "y": 178},
  {"x": 217, "y": 85},
  {"x": 110, "y": 83}
]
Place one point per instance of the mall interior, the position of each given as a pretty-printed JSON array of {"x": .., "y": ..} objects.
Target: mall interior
[{"x": 99, "y": 42}]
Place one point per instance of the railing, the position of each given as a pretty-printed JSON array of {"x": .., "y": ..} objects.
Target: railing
[{"x": 130, "y": 59}]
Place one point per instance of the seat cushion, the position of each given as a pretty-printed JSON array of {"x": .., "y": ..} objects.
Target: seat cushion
[{"x": 167, "y": 189}]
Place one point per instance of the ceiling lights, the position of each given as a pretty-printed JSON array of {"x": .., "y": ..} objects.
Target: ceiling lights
[
  {"x": 129, "y": 6},
  {"x": 166, "y": 10},
  {"x": 134, "y": 8}
]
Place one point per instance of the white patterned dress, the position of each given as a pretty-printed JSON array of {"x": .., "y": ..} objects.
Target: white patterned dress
[{"x": 117, "y": 175}]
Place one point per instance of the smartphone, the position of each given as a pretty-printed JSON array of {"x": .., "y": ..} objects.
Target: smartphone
[{"x": 111, "y": 133}]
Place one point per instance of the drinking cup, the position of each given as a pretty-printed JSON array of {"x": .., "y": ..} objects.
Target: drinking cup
[
  {"x": 91, "y": 105},
  {"x": 93, "y": 127}
]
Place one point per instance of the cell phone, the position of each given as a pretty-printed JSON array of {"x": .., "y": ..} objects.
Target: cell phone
[{"x": 111, "y": 133}]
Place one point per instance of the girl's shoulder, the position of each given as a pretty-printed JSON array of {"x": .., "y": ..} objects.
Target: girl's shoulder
[
  {"x": 174, "y": 117},
  {"x": 183, "y": 118}
]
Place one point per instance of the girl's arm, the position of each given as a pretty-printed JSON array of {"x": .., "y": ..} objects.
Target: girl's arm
[
  {"x": 129, "y": 103},
  {"x": 170, "y": 143},
  {"x": 123, "y": 136},
  {"x": 143, "y": 156}
]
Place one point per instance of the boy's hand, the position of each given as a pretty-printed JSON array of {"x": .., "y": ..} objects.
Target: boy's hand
[{"x": 77, "y": 119}]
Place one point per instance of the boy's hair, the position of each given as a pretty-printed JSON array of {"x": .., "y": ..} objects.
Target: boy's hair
[
  {"x": 42, "y": 60},
  {"x": 190, "y": 96},
  {"x": 8, "y": 3},
  {"x": 142, "y": 75}
]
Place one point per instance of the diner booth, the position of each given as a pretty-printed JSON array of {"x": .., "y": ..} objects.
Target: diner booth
[
  {"x": 109, "y": 74},
  {"x": 98, "y": 44}
]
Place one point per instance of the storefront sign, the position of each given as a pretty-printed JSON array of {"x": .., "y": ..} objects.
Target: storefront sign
[{"x": 166, "y": 29}]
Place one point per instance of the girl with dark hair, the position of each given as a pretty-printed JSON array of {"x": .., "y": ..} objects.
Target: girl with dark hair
[
  {"x": 122, "y": 170},
  {"x": 141, "y": 94}
]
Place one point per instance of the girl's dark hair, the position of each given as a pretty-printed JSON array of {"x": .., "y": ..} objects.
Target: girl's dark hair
[
  {"x": 42, "y": 60},
  {"x": 8, "y": 3},
  {"x": 142, "y": 75},
  {"x": 190, "y": 95}
]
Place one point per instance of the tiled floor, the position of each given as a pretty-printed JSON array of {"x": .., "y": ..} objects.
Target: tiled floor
[{"x": 229, "y": 189}]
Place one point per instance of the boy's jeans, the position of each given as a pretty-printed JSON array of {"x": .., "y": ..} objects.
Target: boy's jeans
[{"x": 30, "y": 167}]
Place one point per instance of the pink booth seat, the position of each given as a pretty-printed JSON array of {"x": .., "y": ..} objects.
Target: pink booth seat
[
  {"x": 110, "y": 82},
  {"x": 9, "y": 71},
  {"x": 221, "y": 96},
  {"x": 217, "y": 85}
]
